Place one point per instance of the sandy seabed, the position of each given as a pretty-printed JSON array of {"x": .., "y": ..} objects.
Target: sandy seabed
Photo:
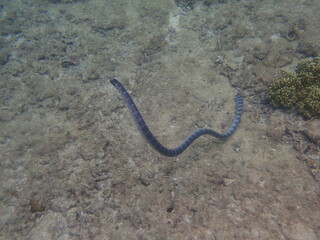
[{"x": 74, "y": 166}]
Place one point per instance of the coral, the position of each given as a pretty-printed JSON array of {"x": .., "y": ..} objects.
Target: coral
[{"x": 299, "y": 89}]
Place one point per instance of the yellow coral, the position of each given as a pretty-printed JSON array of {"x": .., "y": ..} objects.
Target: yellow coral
[{"x": 299, "y": 89}]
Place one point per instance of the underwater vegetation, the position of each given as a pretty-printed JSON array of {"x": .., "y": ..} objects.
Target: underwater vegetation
[{"x": 299, "y": 89}]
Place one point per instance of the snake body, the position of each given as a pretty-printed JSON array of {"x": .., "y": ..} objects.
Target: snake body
[{"x": 146, "y": 133}]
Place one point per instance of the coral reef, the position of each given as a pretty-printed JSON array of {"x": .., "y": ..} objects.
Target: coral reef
[{"x": 299, "y": 89}]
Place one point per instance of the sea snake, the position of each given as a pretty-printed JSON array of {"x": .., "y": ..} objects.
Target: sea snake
[{"x": 146, "y": 133}]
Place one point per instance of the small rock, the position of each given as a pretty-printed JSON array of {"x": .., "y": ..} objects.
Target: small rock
[
  {"x": 36, "y": 206},
  {"x": 311, "y": 130}
]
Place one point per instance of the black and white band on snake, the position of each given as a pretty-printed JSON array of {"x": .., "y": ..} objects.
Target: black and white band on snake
[{"x": 146, "y": 133}]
